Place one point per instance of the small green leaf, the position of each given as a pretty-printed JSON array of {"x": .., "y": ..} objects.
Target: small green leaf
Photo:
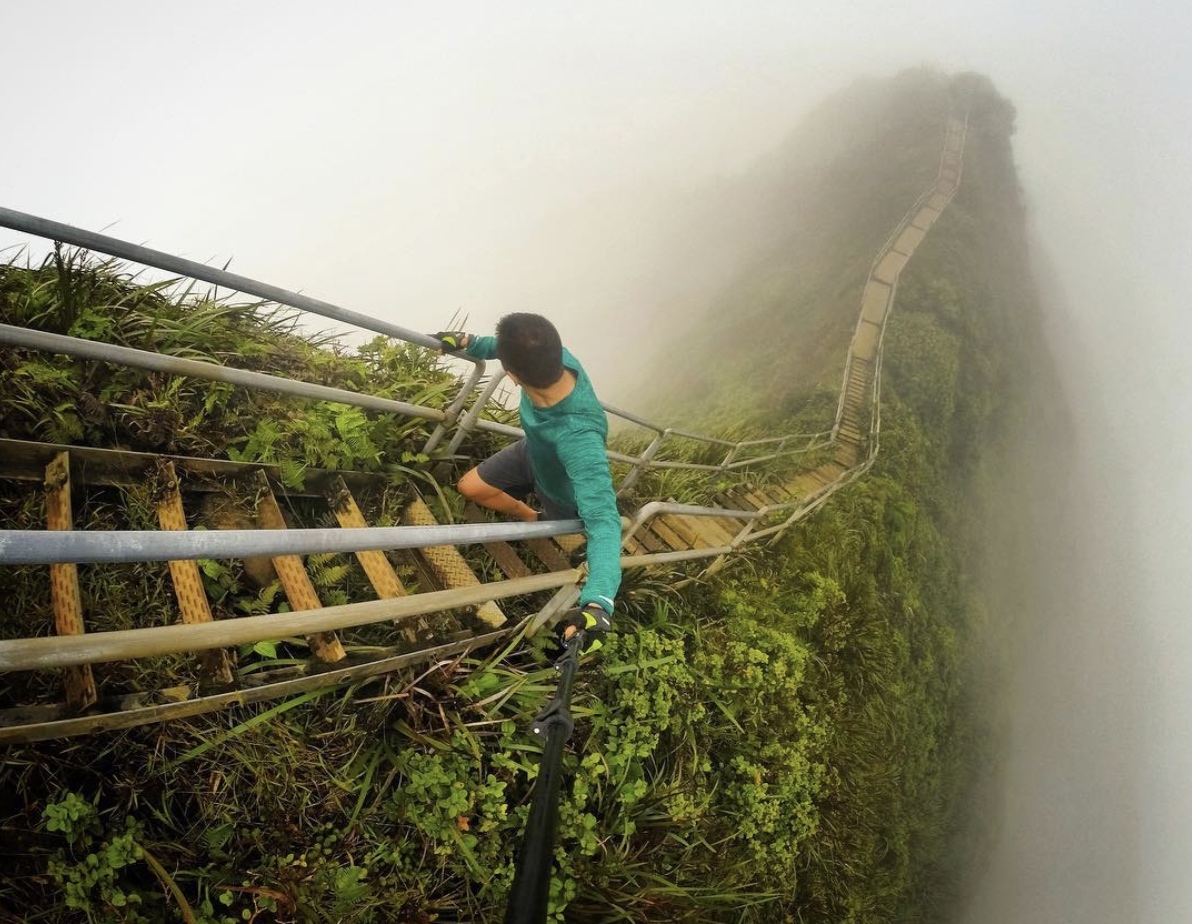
[{"x": 266, "y": 649}]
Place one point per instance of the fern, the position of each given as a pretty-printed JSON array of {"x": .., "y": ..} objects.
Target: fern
[
  {"x": 325, "y": 572},
  {"x": 293, "y": 474}
]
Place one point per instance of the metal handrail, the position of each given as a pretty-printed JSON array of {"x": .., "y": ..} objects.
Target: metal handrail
[
  {"x": 53, "y": 547},
  {"x": 446, "y": 418},
  {"x": 102, "y": 243},
  {"x": 30, "y": 339},
  {"x": 18, "y": 546}
]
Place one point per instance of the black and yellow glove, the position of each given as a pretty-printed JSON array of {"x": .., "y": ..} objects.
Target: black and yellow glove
[
  {"x": 592, "y": 622},
  {"x": 451, "y": 341}
]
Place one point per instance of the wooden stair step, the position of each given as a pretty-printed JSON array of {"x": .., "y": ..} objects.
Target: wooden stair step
[
  {"x": 713, "y": 532},
  {"x": 685, "y": 529},
  {"x": 667, "y": 535},
  {"x": 79, "y": 682},
  {"x": 502, "y": 553},
  {"x": 633, "y": 546},
  {"x": 649, "y": 540},
  {"x": 216, "y": 664},
  {"x": 291, "y": 571},
  {"x": 448, "y": 564},
  {"x": 377, "y": 568},
  {"x": 846, "y": 455},
  {"x": 549, "y": 554},
  {"x": 755, "y": 500},
  {"x": 731, "y": 526},
  {"x": 737, "y": 500}
]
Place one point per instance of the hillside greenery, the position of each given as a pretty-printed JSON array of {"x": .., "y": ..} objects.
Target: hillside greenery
[{"x": 789, "y": 741}]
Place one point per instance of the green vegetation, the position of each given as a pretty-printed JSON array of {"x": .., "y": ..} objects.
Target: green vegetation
[{"x": 787, "y": 742}]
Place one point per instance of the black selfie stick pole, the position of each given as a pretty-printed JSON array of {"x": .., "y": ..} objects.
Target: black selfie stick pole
[{"x": 531, "y": 883}]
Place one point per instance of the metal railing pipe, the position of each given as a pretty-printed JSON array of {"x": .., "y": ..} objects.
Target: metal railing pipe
[
  {"x": 492, "y": 426},
  {"x": 640, "y": 561},
  {"x": 780, "y": 439},
  {"x": 193, "y": 368},
  {"x": 468, "y": 423},
  {"x": 95, "y": 647},
  {"x": 615, "y": 456},
  {"x": 52, "y": 547},
  {"x": 632, "y": 418},
  {"x": 642, "y": 463},
  {"x": 714, "y": 440},
  {"x": 686, "y": 466},
  {"x": 68, "y": 234}
]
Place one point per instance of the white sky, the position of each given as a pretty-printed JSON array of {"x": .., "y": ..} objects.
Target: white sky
[{"x": 404, "y": 160}]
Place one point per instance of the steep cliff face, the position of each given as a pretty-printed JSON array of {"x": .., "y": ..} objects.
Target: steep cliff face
[{"x": 900, "y": 685}]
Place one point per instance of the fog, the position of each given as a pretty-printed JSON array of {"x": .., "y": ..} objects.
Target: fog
[{"x": 411, "y": 162}]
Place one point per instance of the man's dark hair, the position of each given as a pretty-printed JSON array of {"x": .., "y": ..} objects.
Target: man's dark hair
[{"x": 529, "y": 346}]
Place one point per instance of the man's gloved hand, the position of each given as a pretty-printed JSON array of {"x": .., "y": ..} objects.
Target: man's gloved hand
[
  {"x": 592, "y": 622},
  {"x": 451, "y": 341}
]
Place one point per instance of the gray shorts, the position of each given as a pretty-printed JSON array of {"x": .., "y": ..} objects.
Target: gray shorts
[{"x": 510, "y": 471}]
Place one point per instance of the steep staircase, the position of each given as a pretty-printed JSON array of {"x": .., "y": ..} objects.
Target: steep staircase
[{"x": 435, "y": 593}]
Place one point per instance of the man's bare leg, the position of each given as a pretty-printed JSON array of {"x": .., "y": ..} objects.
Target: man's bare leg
[{"x": 476, "y": 489}]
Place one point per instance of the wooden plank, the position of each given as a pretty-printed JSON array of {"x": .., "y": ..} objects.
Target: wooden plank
[
  {"x": 779, "y": 492},
  {"x": 570, "y": 544},
  {"x": 375, "y": 563},
  {"x": 910, "y": 238},
  {"x": 832, "y": 470},
  {"x": 875, "y": 301},
  {"x": 299, "y": 588},
  {"x": 64, "y": 583},
  {"x": 890, "y": 266},
  {"x": 449, "y": 565},
  {"x": 667, "y": 535},
  {"x": 216, "y": 664},
  {"x": 633, "y": 547},
  {"x": 732, "y": 527},
  {"x": 847, "y": 454},
  {"x": 865, "y": 340},
  {"x": 502, "y": 553},
  {"x": 712, "y": 534},
  {"x": 807, "y": 486},
  {"x": 548, "y": 553},
  {"x": 683, "y": 528},
  {"x": 926, "y": 217},
  {"x": 648, "y": 540},
  {"x": 737, "y": 500}
]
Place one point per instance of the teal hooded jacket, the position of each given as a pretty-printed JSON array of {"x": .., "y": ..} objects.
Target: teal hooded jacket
[{"x": 566, "y": 444}]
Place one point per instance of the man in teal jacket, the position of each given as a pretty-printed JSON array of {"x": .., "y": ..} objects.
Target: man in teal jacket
[{"x": 561, "y": 459}]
